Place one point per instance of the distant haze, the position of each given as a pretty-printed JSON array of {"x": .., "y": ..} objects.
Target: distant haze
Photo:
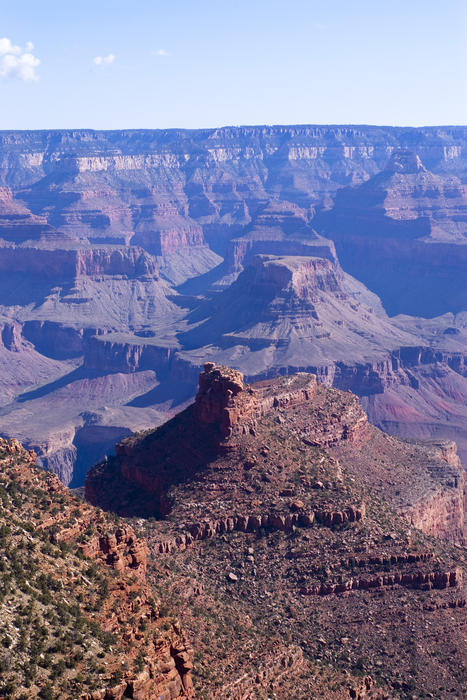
[{"x": 153, "y": 64}]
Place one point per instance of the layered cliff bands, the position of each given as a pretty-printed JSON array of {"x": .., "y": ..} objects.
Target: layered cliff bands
[
  {"x": 152, "y": 251},
  {"x": 71, "y": 264},
  {"x": 226, "y": 412},
  {"x": 283, "y": 511},
  {"x": 414, "y": 221},
  {"x": 41, "y": 149}
]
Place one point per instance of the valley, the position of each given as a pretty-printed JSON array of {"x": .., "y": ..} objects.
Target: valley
[{"x": 129, "y": 258}]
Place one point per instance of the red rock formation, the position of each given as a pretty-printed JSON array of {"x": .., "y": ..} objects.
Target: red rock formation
[
  {"x": 274, "y": 514},
  {"x": 120, "y": 550},
  {"x": 226, "y": 409},
  {"x": 285, "y": 522},
  {"x": 223, "y": 402},
  {"x": 129, "y": 604},
  {"x": 441, "y": 513}
]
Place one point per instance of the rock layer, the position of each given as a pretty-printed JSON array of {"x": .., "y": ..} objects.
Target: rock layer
[
  {"x": 152, "y": 238},
  {"x": 282, "y": 510}
]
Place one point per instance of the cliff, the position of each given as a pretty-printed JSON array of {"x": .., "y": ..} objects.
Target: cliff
[
  {"x": 290, "y": 313},
  {"x": 285, "y": 519},
  {"x": 161, "y": 240},
  {"x": 227, "y": 416},
  {"x": 402, "y": 229}
]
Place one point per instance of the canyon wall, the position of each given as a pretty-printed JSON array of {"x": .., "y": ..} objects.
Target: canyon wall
[{"x": 135, "y": 251}]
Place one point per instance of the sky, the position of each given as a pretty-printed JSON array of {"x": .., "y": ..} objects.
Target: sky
[{"x": 114, "y": 64}]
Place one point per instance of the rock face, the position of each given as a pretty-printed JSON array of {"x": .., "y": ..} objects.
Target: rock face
[
  {"x": 298, "y": 308},
  {"x": 226, "y": 413},
  {"x": 283, "y": 510},
  {"x": 442, "y": 513},
  {"x": 135, "y": 251},
  {"x": 97, "y": 570},
  {"x": 73, "y": 264},
  {"x": 222, "y": 402},
  {"x": 279, "y": 228},
  {"x": 394, "y": 230}
]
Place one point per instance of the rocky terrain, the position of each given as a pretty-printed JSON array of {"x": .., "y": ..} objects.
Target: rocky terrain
[
  {"x": 402, "y": 233},
  {"x": 128, "y": 258},
  {"x": 308, "y": 553},
  {"x": 79, "y": 618}
]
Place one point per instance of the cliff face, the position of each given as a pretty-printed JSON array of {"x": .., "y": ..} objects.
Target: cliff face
[
  {"x": 163, "y": 241},
  {"x": 287, "y": 518},
  {"x": 72, "y": 264},
  {"x": 226, "y": 412},
  {"x": 186, "y": 184},
  {"x": 402, "y": 229}
]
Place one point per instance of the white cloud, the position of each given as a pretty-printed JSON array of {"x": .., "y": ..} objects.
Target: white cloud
[
  {"x": 161, "y": 52},
  {"x": 16, "y": 62},
  {"x": 104, "y": 60}
]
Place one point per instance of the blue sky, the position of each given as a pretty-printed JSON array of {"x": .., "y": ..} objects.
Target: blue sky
[{"x": 205, "y": 63}]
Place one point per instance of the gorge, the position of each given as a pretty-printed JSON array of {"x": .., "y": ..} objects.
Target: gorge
[{"x": 129, "y": 258}]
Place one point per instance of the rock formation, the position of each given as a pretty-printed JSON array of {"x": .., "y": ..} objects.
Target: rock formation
[
  {"x": 393, "y": 230},
  {"x": 79, "y": 615},
  {"x": 225, "y": 419},
  {"x": 135, "y": 251},
  {"x": 280, "y": 510}
]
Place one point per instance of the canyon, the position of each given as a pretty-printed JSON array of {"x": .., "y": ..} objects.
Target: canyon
[
  {"x": 294, "y": 536},
  {"x": 265, "y": 542},
  {"x": 129, "y": 258}
]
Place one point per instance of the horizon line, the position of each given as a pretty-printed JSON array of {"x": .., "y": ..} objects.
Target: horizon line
[{"x": 244, "y": 126}]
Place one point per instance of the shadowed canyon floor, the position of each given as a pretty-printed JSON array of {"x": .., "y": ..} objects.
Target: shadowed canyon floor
[{"x": 127, "y": 258}]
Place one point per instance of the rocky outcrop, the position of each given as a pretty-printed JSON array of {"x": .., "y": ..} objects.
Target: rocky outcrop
[
  {"x": 320, "y": 425},
  {"x": 283, "y": 522},
  {"x": 11, "y": 336},
  {"x": 441, "y": 512},
  {"x": 288, "y": 393},
  {"x": 259, "y": 490},
  {"x": 114, "y": 353},
  {"x": 419, "y": 580},
  {"x": 120, "y": 550},
  {"x": 126, "y": 610},
  {"x": 223, "y": 403},
  {"x": 224, "y": 412},
  {"x": 440, "y": 515}
]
